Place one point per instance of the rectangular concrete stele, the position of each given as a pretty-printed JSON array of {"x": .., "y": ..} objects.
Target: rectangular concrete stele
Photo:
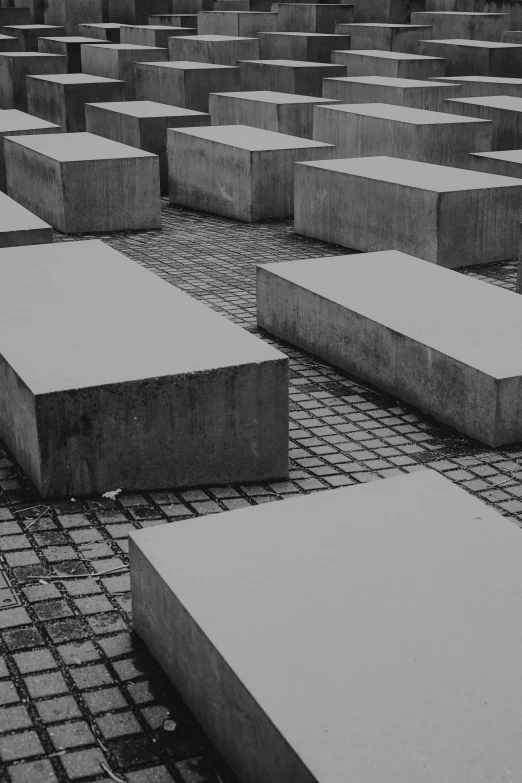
[
  {"x": 280, "y": 112},
  {"x": 70, "y": 13},
  {"x": 118, "y": 61},
  {"x": 365, "y": 129},
  {"x": 34, "y": 10},
  {"x": 389, "y": 11},
  {"x": 28, "y": 34},
  {"x": 504, "y": 111},
  {"x": 238, "y": 171},
  {"x": 18, "y": 226},
  {"x": 477, "y": 58},
  {"x": 512, "y": 36},
  {"x": 392, "y": 37},
  {"x": 79, "y": 182},
  {"x": 16, "y": 66},
  {"x": 9, "y": 16},
  {"x": 312, "y": 18},
  {"x": 186, "y": 84},
  {"x": 175, "y": 20},
  {"x": 69, "y": 46},
  {"x": 195, "y": 400},
  {"x": 397, "y": 65},
  {"x": 507, "y": 163},
  {"x": 137, "y": 11},
  {"x": 477, "y": 26},
  {"x": 367, "y": 313},
  {"x": 417, "y": 94},
  {"x": 467, "y": 217},
  {"x": 217, "y": 49},
  {"x": 108, "y": 31},
  {"x": 244, "y": 24},
  {"x": 293, "y": 76},
  {"x": 152, "y": 35},
  {"x": 8, "y": 43},
  {"x": 480, "y": 86},
  {"x": 142, "y": 124},
  {"x": 14, "y": 123},
  {"x": 62, "y": 98},
  {"x": 313, "y": 47},
  {"x": 410, "y": 587}
]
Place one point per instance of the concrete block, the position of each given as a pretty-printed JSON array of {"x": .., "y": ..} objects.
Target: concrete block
[
  {"x": 217, "y": 49},
  {"x": 8, "y": 43},
  {"x": 16, "y": 66},
  {"x": 136, "y": 11},
  {"x": 62, "y": 98},
  {"x": 245, "y": 24},
  {"x": 27, "y": 35},
  {"x": 18, "y": 123},
  {"x": 374, "y": 203},
  {"x": 507, "y": 163},
  {"x": 480, "y": 58},
  {"x": 512, "y": 36},
  {"x": 480, "y": 86},
  {"x": 312, "y": 47},
  {"x": 18, "y": 226},
  {"x": 70, "y": 13},
  {"x": 156, "y": 36},
  {"x": 175, "y": 20},
  {"x": 241, "y": 172},
  {"x": 280, "y": 112},
  {"x": 469, "y": 6},
  {"x": 189, "y": 6},
  {"x": 450, "y": 24},
  {"x": 417, "y": 94},
  {"x": 15, "y": 15},
  {"x": 386, "y": 37},
  {"x": 292, "y": 76},
  {"x": 142, "y": 124},
  {"x": 397, "y": 65},
  {"x": 94, "y": 414},
  {"x": 69, "y": 47},
  {"x": 369, "y": 315},
  {"x": 410, "y": 587},
  {"x": 367, "y": 129},
  {"x": 504, "y": 111},
  {"x": 243, "y": 5},
  {"x": 118, "y": 61},
  {"x": 312, "y": 18},
  {"x": 108, "y": 31},
  {"x": 389, "y": 11},
  {"x": 186, "y": 84},
  {"x": 82, "y": 183}
]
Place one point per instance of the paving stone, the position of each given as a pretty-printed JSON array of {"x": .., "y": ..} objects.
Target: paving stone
[
  {"x": 19, "y": 746},
  {"x": 61, "y": 708},
  {"x": 83, "y": 763},
  {"x": 14, "y": 718},
  {"x": 70, "y": 735},
  {"x": 118, "y": 725},
  {"x": 8, "y": 693},
  {"x": 49, "y": 684},
  {"x": 40, "y": 771},
  {"x": 91, "y": 676}
]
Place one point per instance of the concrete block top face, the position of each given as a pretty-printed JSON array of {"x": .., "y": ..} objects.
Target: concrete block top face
[
  {"x": 31, "y": 55},
  {"x": 504, "y": 102},
  {"x": 27, "y": 27},
  {"x": 160, "y": 27},
  {"x": 376, "y": 626},
  {"x": 388, "y": 26},
  {"x": 269, "y": 96},
  {"x": 391, "y": 55},
  {"x": 216, "y": 38},
  {"x": 146, "y": 109},
  {"x": 76, "y": 78},
  {"x": 14, "y": 217},
  {"x": 307, "y": 35},
  {"x": 187, "y": 65},
  {"x": 14, "y": 120},
  {"x": 388, "y": 111},
  {"x": 509, "y": 156},
  {"x": 128, "y": 47},
  {"x": 73, "y": 39},
  {"x": 291, "y": 63},
  {"x": 79, "y": 147},
  {"x": 474, "y": 43},
  {"x": 245, "y": 137},
  {"x": 46, "y": 282},
  {"x": 7, "y": 38},
  {"x": 463, "y": 13},
  {"x": 390, "y": 81}
]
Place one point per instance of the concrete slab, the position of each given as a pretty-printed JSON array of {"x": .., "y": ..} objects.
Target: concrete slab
[
  {"x": 33, "y": 11},
  {"x": 467, "y": 217},
  {"x": 390, "y": 37},
  {"x": 479, "y": 86},
  {"x": 186, "y": 84},
  {"x": 238, "y": 171},
  {"x": 16, "y": 66},
  {"x": 62, "y": 98},
  {"x": 366, "y": 129},
  {"x": 410, "y": 587},
  {"x": 455, "y": 24},
  {"x": 18, "y": 123},
  {"x": 136, "y": 11},
  {"x": 504, "y": 111},
  {"x": 81, "y": 183},
  {"x": 512, "y": 36},
  {"x": 396, "y": 65},
  {"x": 152, "y": 35},
  {"x": 507, "y": 163},
  {"x": 366, "y": 314},
  {"x": 8, "y": 43},
  {"x": 217, "y": 49},
  {"x": 106, "y": 31},
  {"x": 27, "y": 35},
  {"x": 245, "y": 24},
  {"x": 142, "y": 124},
  {"x": 175, "y": 20},
  {"x": 196, "y": 400},
  {"x": 389, "y": 11},
  {"x": 12, "y": 15},
  {"x": 415, "y": 93},
  {"x": 312, "y": 18},
  {"x": 312, "y": 47},
  {"x": 280, "y": 112},
  {"x": 484, "y": 58},
  {"x": 18, "y": 226},
  {"x": 70, "y": 13},
  {"x": 118, "y": 61},
  {"x": 69, "y": 47},
  {"x": 293, "y": 76}
]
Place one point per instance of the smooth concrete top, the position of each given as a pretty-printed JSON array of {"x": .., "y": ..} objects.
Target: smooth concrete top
[
  {"x": 30, "y": 54},
  {"x": 377, "y": 626},
  {"x": 253, "y": 139},
  {"x": 66, "y": 147},
  {"x": 14, "y": 217},
  {"x": 75, "y": 39},
  {"x": 213, "y": 38},
  {"x": 144, "y": 109},
  {"x": 391, "y": 55},
  {"x": 478, "y": 79},
  {"x": 387, "y": 26},
  {"x": 390, "y": 81},
  {"x": 509, "y": 156},
  {"x": 505, "y": 102},
  {"x": 31, "y": 26},
  {"x": 187, "y": 65},
  {"x": 103, "y": 25},
  {"x": 127, "y": 47},
  {"x": 388, "y": 111},
  {"x": 15, "y": 120},
  {"x": 475, "y": 43},
  {"x": 269, "y": 96},
  {"x": 292, "y": 63},
  {"x": 161, "y": 27},
  {"x": 75, "y": 78},
  {"x": 464, "y": 13},
  {"x": 306, "y": 35},
  {"x": 53, "y": 344}
]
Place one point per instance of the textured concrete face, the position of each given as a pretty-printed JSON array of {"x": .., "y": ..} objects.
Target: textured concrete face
[
  {"x": 196, "y": 400},
  {"x": 16, "y": 66},
  {"x": 457, "y": 364},
  {"x": 394, "y": 38},
  {"x": 18, "y": 226},
  {"x": 313, "y": 47},
  {"x": 108, "y": 31},
  {"x": 28, "y": 34},
  {"x": 245, "y": 25},
  {"x": 410, "y": 587},
  {"x": 8, "y": 43},
  {"x": 69, "y": 47},
  {"x": 18, "y": 123},
  {"x": 390, "y": 11},
  {"x": 175, "y": 20},
  {"x": 417, "y": 94},
  {"x": 367, "y": 129},
  {"x": 292, "y": 76},
  {"x": 312, "y": 18},
  {"x": 372, "y": 204},
  {"x": 118, "y": 61},
  {"x": 477, "y": 26},
  {"x": 183, "y": 83},
  {"x": 507, "y": 163},
  {"x": 14, "y": 15},
  {"x": 482, "y": 58},
  {"x": 217, "y": 49},
  {"x": 83, "y": 183},
  {"x": 237, "y": 171},
  {"x": 480, "y": 86},
  {"x": 135, "y": 11},
  {"x": 151, "y": 35},
  {"x": 372, "y": 62},
  {"x": 70, "y": 13},
  {"x": 505, "y": 113}
]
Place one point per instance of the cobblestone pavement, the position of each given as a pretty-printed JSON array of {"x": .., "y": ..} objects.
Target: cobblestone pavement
[{"x": 77, "y": 690}]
